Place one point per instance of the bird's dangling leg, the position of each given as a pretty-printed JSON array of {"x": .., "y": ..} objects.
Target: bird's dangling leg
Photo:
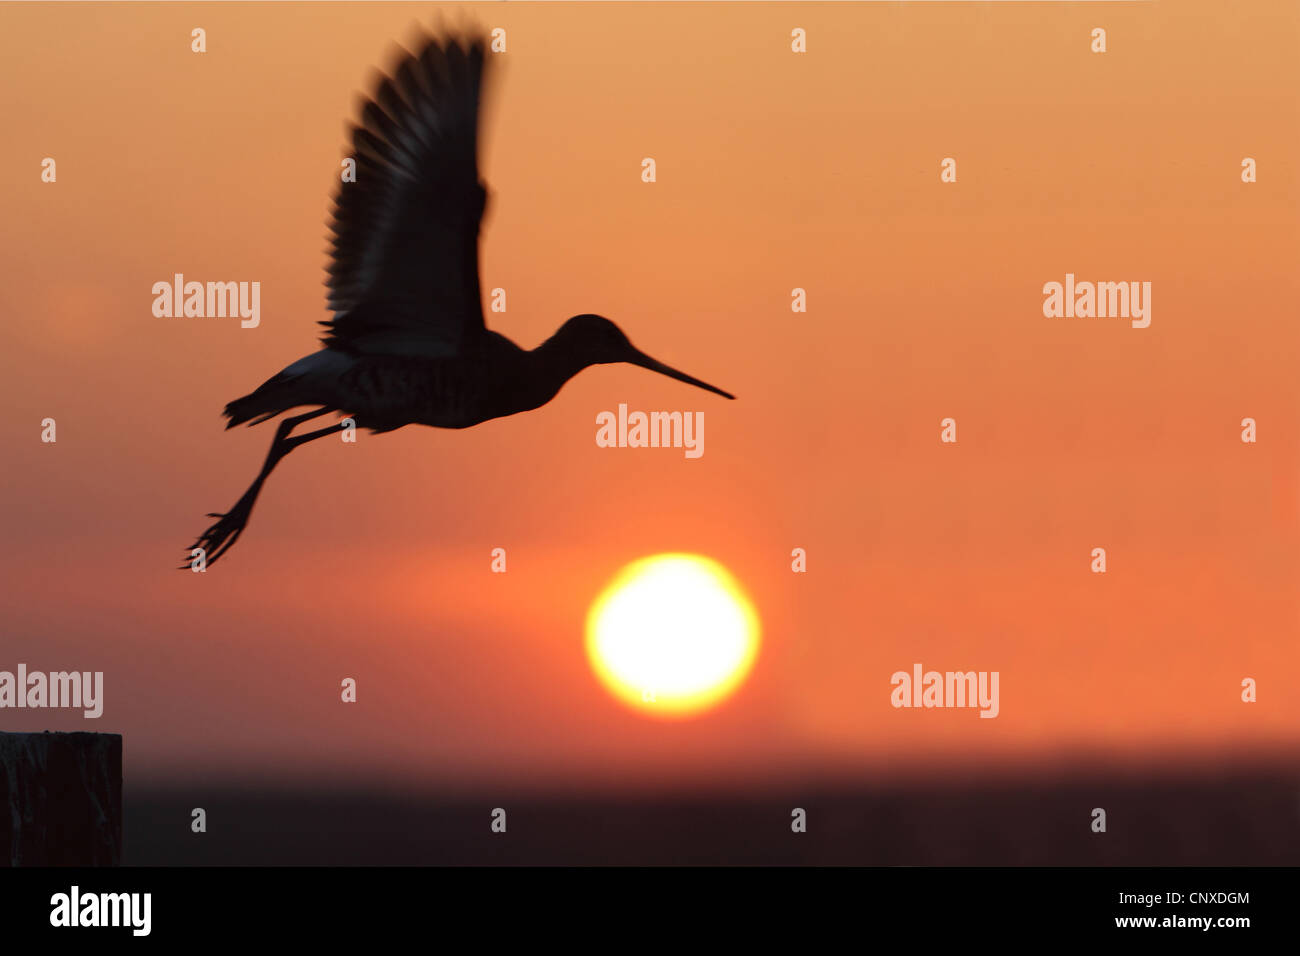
[{"x": 218, "y": 538}]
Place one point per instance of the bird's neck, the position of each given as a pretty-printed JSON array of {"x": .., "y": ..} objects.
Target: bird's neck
[
  {"x": 558, "y": 362},
  {"x": 554, "y": 366}
]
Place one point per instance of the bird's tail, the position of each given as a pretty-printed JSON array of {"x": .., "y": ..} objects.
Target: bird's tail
[
  {"x": 305, "y": 382},
  {"x": 272, "y": 397}
]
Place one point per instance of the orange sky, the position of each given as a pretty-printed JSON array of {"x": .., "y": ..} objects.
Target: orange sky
[{"x": 775, "y": 170}]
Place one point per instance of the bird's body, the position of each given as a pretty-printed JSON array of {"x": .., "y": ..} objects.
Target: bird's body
[
  {"x": 407, "y": 344},
  {"x": 490, "y": 379}
]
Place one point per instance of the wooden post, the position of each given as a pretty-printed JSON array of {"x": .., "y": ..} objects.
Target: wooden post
[{"x": 60, "y": 799}]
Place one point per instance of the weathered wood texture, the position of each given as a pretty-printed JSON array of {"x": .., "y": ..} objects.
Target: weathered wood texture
[{"x": 60, "y": 799}]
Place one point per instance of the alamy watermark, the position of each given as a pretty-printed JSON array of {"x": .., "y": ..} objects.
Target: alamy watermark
[
  {"x": 75, "y": 908},
  {"x": 197, "y": 300},
  {"x": 55, "y": 690},
  {"x": 1102, "y": 300},
  {"x": 946, "y": 689},
  {"x": 652, "y": 430}
]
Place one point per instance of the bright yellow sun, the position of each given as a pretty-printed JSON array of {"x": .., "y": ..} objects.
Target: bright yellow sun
[{"x": 672, "y": 635}]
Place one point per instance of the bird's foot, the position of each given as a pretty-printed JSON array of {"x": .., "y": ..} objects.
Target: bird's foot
[{"x": 217, "y": 540}]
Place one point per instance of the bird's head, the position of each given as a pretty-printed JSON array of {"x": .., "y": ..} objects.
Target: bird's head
[{"x": 595, "y": 340}]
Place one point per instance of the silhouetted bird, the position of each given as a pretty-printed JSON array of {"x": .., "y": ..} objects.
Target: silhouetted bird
[{"x": 407, "y": 344}]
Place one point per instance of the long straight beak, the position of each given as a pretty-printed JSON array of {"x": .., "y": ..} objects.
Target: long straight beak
[{"x": 645, "y": 361}]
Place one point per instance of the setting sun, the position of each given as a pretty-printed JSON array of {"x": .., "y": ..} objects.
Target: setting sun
[{"x": 672, "y": 635}]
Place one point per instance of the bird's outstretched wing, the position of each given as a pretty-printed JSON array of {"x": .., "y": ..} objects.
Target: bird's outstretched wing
[{"x": 404, "y": 276}]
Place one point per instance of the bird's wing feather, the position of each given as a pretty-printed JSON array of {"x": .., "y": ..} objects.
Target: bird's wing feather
[{"x": 404, "y": 275}]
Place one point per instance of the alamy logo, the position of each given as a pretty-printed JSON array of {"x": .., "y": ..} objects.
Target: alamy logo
[
  {"x": 655, "y": 430},
  {"x": 1104, "y": 300},
  {"x": 194, "y": 300},
  {"x": 102, "y": 909},
  {"x": 56, "y": 689},
  {"x": 947, "y": 689}
]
